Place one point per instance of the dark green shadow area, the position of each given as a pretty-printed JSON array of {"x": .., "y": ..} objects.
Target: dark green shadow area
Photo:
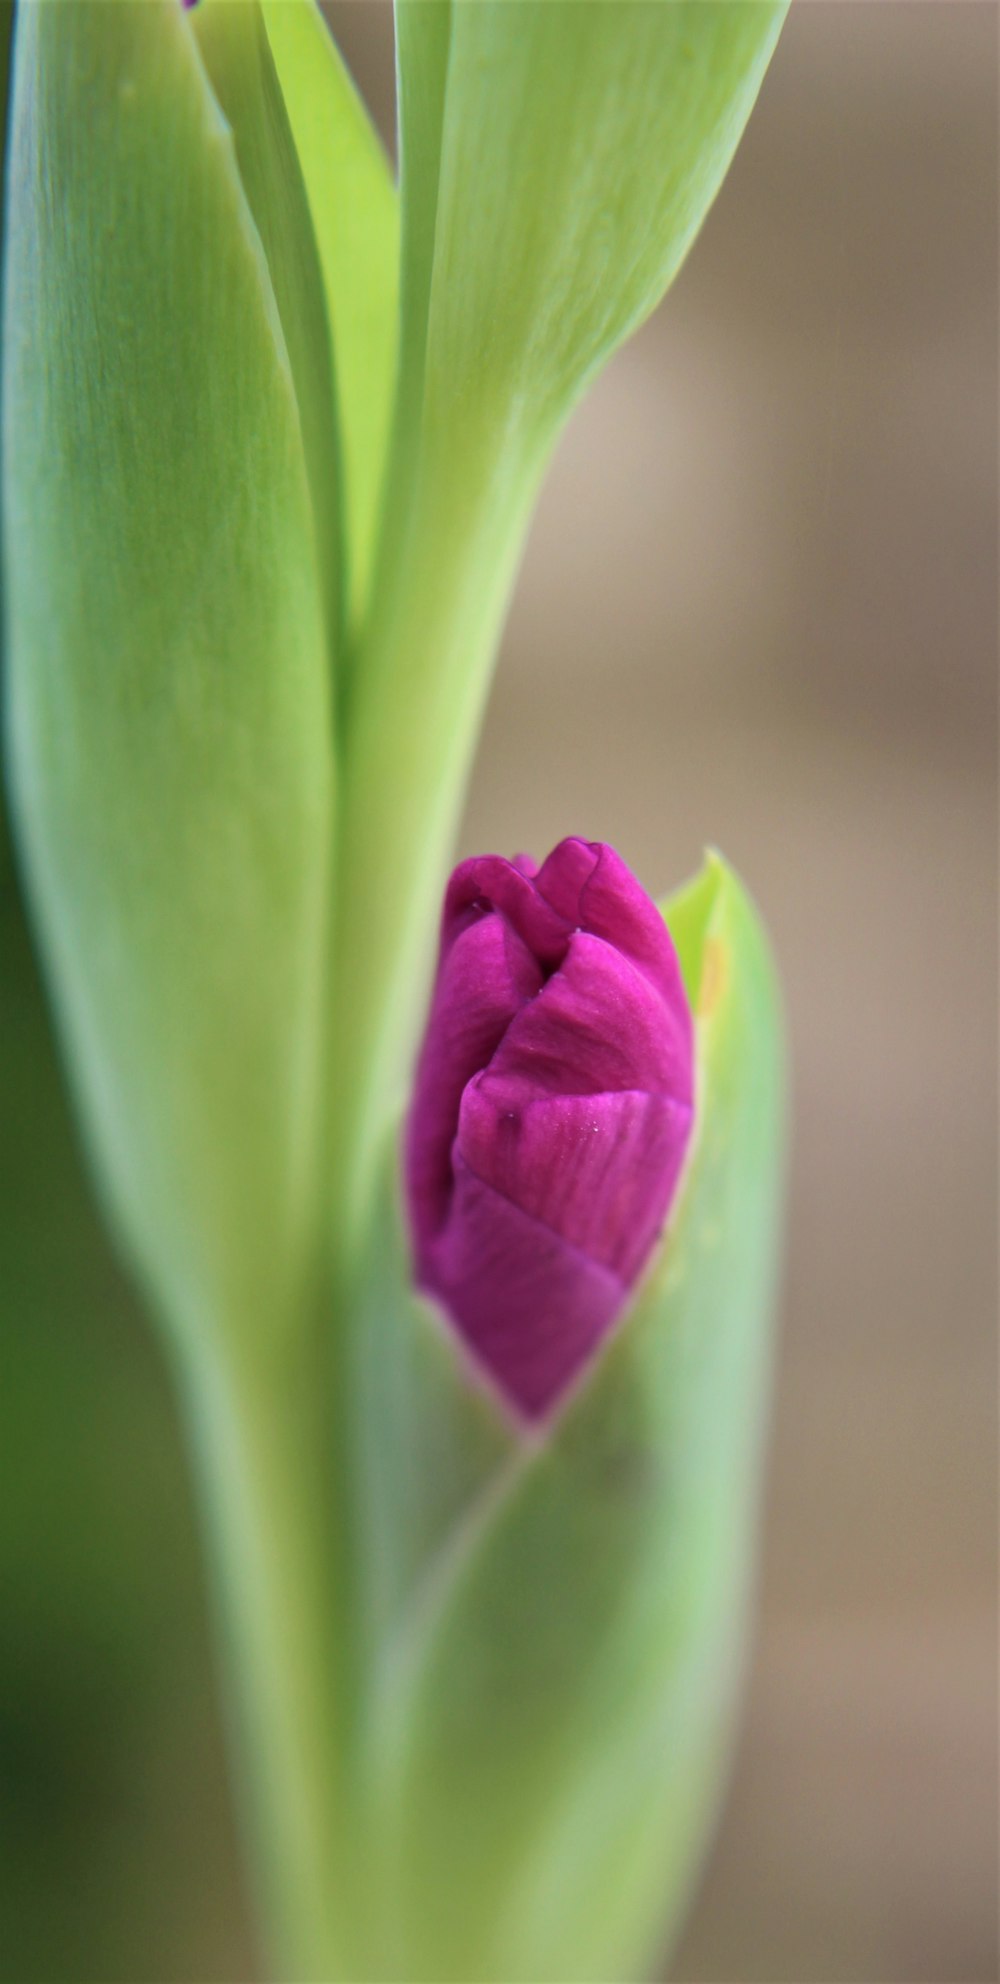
[{"x": 117, "y": 1856}]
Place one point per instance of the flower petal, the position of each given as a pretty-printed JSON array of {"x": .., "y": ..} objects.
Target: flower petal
[
  {"x": 597, "y": 1024},
  {"x": 599, "y": 1170},
  {"x": 589, "y": 885},
  {"x": 486, "y": 977},
  {"x": 530, "y": 1306},
  {"x": 489, "y": 881}
]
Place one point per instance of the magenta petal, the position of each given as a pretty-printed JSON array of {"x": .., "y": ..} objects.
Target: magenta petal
[
  {"x": 589, "y": 884},
  {"x": 488, "y": 883},
  {"x": 597, "y": 1169},
  {"x": 487, "y": 977},
  {"x": 598, "y": 1023},
  {"x": 530, "y": 1306},
  {"x": 564, "y": 875}
]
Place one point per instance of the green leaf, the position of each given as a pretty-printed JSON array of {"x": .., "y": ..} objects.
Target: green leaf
[
  {"x": 552, "y": 1712},
  {"x": 355, "y": 216},
  {"x": 235, "y": 49},
  {"x": 169, "y": 716},
  {"x": 422, "y": 40},
  {"x": 410, "y": 1403},
  {"x": 576, "y": 152}
]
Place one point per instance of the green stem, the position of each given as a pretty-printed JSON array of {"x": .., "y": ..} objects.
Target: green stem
[{"x": 257, "y": 1431}]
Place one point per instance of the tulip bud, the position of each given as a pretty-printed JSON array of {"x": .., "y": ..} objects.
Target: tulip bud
[{"x": 552, "y": 1111}]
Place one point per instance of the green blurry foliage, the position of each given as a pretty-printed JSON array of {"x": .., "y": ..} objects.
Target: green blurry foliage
[{"x": 117, "y": 1850}]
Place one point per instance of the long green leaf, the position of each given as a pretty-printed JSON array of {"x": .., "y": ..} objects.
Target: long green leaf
[
  {"x": 237, "y": 55},
  {"x": 355, "y": 215},
  {"x": 169, "y": 700}
]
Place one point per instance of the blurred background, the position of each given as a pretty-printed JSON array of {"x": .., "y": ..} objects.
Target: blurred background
[{"x": 759, "y": 607}]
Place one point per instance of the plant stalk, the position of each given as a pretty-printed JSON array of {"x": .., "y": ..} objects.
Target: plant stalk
[{"x": 256, "y": 1427}]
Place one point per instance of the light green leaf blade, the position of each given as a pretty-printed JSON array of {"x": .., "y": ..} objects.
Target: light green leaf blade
[
  {"x": 169, "y": 695},
  {"x": 355, "y": 215},
  {"x": 422, "y": 44},
  {"x": 581, "y": 145},
  {"x": 411, "y": 1402},
  {"x": 235, "y": 49},
  {"x": 553, "y": 1722}
]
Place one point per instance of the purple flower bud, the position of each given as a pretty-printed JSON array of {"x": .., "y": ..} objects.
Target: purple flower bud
[{"x": 551, "y": 1113}]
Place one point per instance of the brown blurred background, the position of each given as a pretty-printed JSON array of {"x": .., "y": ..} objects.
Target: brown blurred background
[{"x": 759, "y": 607}]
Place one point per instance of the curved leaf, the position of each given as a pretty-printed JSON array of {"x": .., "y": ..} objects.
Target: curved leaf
[
  {"x": 355, "y": 216},
  {"x": 234, "y": 47},
  {"x": 431, "y": 1444},
  {"x": 169, "y": 705},
  {"x": 615, "y": 124}
]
